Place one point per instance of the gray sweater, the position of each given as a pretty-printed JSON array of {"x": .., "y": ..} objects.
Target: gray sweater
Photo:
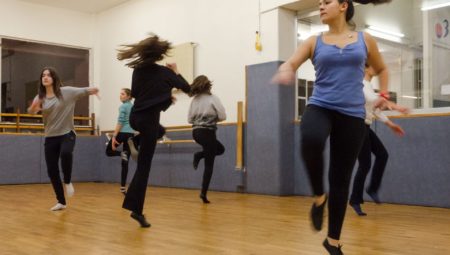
[
  {"x": 205, "y": 111},
  {"x": 58, "y": 113}
]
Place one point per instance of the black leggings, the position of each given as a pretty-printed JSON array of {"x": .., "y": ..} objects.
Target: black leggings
[
  {"x": 121, "y": 138},
  {"x": 57, "y": 147},
  {"x": 346, "y": 135},
  {"x": 147, "y": 123},
  {"x": 371, "y": 144},
  {"x": 211, "y": 148}
]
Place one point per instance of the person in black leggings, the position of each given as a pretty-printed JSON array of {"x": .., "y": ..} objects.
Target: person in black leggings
[
  {"x": 57, "y": 104},
  {"x": 204, "y": 113},
  {"x": 151, "y": 87},
  {"x": 336, "y": 108},
  {"x": 372, "y": 144},
  {"x": 121, "y": 134}
]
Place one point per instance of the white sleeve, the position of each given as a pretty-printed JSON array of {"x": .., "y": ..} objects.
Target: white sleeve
[{"x": 380, "y": 115}]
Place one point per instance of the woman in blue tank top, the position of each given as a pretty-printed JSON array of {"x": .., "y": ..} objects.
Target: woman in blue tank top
[{"x": 336, "y": 108}]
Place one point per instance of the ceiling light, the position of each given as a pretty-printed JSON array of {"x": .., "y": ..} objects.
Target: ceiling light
[
  {"x": 385, "y": 34},
  {"x": 435, "y": 6}
]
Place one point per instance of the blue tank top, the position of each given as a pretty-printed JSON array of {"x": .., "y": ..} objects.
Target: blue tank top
[{"x": 339, "y": 77}]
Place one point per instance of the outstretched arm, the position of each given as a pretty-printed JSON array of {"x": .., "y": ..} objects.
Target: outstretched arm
[
  {"x": 178, "y": 81},
  {"x": 395, "y": 107},
  {"x": 93, "y": 91},
  {"x": 395, "y": 128},
  {"x": 286, "y": 72}
]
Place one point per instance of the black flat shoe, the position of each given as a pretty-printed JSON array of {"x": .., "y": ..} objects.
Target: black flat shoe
[
  {"x": 205, "y": 200},
  {"x": 333, "y": 250},
  {"x": 358, "y": 210},
  {"x": 316, "y": 215},
  {"x": 141, "y": 219}
]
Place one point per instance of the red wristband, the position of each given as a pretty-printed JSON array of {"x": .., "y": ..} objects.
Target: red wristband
[{"x": 384, "y": 95}]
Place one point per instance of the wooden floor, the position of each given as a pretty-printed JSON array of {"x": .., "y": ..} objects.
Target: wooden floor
[{"x": 94, "y": 223}]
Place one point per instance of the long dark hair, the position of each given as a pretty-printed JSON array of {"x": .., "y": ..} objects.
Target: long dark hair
[
  {"x": 351, "y": 8},
  {"x": 200, "y": 85},
  {"x": 147, "y": 51},
  {"x": 57, "y": 84}
]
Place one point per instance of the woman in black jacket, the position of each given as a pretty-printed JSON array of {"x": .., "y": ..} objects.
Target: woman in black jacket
[{"x": 151, "y": 87}]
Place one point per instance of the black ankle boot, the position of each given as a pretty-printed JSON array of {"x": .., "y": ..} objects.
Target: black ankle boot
[
  {"x": 141, "y": 219},
  {"x": 333, "y": 250},
  {"x": 316, "y": 215},
  {"x": 205, "y": 200}
]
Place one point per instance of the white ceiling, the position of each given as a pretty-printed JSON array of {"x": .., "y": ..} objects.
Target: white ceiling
[{"x": 87, "y": 6}]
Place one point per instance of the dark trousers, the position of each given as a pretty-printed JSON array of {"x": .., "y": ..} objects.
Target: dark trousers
[
  {"x": 211, "y": 148},
  {"x": 372, "y": 144},
  {"x": 55, "y": 148},
  {"x": 121, "y": 138},
  {"x": 346, "y": 135},
  {"x": 147, "y": 123}
]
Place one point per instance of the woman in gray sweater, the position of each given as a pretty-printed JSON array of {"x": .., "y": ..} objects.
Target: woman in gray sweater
[{"x": 204, "y": 113}]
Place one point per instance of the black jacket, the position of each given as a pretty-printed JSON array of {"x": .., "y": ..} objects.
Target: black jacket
[{"x": 152, "y": 86}]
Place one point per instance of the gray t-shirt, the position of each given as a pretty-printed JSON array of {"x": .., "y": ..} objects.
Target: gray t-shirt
[
  {"x": 58, "y": 113},
  {"x": 205, "y": 111}
]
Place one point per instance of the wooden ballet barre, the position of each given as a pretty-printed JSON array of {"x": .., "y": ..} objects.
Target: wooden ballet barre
[
  {"x": 175, "y": 141},
  {"x": 20, "y": 125},
  {"x": 178, "y": 129},
  {"x": 240, "y": 136}
]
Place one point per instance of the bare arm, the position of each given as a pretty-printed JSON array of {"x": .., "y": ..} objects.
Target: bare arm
[
  {"x": 375, "y": 60},
  {"x": 395, "y": 128},
  {"x": 286, "y": 71},
  {"x": 398, "y": 108}
]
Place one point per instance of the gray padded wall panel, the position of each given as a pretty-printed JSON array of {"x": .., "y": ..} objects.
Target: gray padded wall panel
[
  {"x": 418, "y": 170},
  {"x": 20, "y": 159},
  {"x": 269, "y": 132}
]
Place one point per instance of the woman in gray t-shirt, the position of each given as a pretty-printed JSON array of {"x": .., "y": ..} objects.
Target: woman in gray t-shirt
[{"x": 57, "y": 104}]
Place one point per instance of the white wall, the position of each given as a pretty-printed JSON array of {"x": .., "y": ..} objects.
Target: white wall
[
  {"x": 272, "y": 4},
  {"x": 223, "y": 30},
  {"x": 36, "y": 22}
]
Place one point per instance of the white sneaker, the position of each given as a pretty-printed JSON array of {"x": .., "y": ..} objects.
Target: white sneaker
[
  {"x": 108, "y": 137},
  {"x": 58, "y": 207},
  {"x": 124, "y": 155},
  {"x": 69, "y": 190}
]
